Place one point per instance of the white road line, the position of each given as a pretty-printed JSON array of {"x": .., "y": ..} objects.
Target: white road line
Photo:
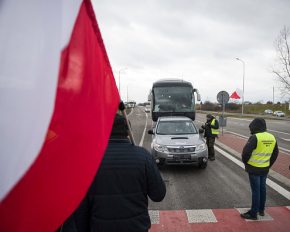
[
  {"x": 131, "y": 112},
  {"x": 279, "y": 132},
  {"x": 242, "y": 136},
  {"x": 242, "y": 119},
  {"x": 269, "y": 182},
  {"x": 143, "y": 136},
  {"x": 245, "y": 137}
]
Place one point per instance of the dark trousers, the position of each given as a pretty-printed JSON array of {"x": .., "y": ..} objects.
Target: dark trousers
[
  {"x": 210, "y": 145},
  {"x": 258, "y": 187}
]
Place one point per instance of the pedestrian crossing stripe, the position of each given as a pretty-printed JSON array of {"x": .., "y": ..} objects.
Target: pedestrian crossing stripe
[{"x": 206, "y": 216}]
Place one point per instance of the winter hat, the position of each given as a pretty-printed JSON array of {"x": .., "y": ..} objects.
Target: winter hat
[
  {"x": 119, "y": 126},
  {"x": 209, "y": 116}
]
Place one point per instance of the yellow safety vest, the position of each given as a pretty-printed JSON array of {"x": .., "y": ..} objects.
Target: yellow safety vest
[
  {"x": 213, "y": 131},
  {"x": 261, "y": 155}
]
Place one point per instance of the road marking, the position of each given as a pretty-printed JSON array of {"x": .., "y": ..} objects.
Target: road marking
[
  {"x": 242, "y": 136},
  {"x": 131, "y": 112},
  {"x": 245, "y": 137},
  {"x": 269, "y": 182},
  {"x": 200, "y": 216},
  {"x": 266, "y": 217},
  {"x": 279, "y": 132},
  {"x": 154, "y": 216},
  {"x": 242, "y": 119},
  {"x": 143, "y": 136},
  {"x": 286, "y": 139}
]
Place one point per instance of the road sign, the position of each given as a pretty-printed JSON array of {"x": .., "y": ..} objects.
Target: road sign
[{"x": 223, "y": 97}]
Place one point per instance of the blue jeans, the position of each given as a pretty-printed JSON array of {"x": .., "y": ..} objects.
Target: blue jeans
[{"x": 258, "y": 187}]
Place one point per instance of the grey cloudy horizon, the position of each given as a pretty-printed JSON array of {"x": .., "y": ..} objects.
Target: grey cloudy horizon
[{"x": 197, "y": 41}]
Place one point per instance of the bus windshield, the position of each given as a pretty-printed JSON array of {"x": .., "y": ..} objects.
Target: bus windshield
[{"x": 173, "y": 99}]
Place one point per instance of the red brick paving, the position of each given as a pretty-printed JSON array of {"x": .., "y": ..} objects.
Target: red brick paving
[
  {"x": 281, "y": 165},
  {"x": 227, "y": 220}
]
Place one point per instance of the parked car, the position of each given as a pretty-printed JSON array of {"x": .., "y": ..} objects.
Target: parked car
[
  {"x": 268, "y": 112},
  {"x": 147, "y": 108},
  {"x": 176, "y": 141},
  {"x": 279, "y": 114}
]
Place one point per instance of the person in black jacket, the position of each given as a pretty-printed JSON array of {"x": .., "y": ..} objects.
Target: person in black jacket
[
  {"x": 259, "y": 154},
  {"x": 117, "y": 199},
  {"x": 210, "y": 127}
]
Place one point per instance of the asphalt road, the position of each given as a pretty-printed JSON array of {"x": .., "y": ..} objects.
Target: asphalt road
[{"x": 221, "y": 185}]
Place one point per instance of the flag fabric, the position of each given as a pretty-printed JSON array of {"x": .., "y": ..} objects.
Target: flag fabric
[
  {"x": 237, "y": 94},
  {"x": 58, "y": 99}
]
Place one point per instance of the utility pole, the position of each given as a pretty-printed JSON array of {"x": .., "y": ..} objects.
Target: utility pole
[{"x": 273, "y": 95}]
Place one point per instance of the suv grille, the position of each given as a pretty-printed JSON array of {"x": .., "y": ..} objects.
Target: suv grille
[{"x": 181, "y": 150}]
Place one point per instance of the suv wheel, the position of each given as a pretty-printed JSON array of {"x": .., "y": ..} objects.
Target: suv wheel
[
  {"x": 161, "y": 163},
  {"x": 202, "y": 165}
]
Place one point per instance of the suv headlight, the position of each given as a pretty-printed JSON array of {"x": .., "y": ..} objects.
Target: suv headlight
[
  {"x": 200, "y": 147},
  {"x": 159, "y": 147}
]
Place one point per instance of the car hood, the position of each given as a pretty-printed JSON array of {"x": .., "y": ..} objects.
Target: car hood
[{"x": 182, "y": 140}]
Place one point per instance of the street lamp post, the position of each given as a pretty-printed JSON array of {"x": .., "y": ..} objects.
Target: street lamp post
[
  {"x": 243, "y": 86},
  {"x": 120, "y": 82},
  {"x": 127, "y": 93}
]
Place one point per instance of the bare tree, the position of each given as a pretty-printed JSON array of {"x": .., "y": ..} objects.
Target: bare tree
[{"x": 281, "y": 66}]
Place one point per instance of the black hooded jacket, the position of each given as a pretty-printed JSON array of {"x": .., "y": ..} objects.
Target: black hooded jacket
[
  {"x": 258, "y": 125},
  {"x": 118, "y": 197},
  {"x": 208, "y": 132}
]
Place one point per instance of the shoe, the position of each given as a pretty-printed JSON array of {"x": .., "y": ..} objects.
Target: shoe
[
  {"x": 262, "y": 213},
  {"x": 248, "y": 215},
  {"x": 212, "y": 158}
]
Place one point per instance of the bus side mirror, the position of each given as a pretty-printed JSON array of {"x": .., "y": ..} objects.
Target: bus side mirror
[
  {"x": 198, "y": 96},
  {"x": 150, "y": 132},
  {"x": 149, "y": 97}
]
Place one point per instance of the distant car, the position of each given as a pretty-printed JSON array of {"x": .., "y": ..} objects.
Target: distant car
[
  {"x": 176, "y": 141},
  {"x": 147, "y": 108},
  {"x": 279, "y": 114},
  {"x": 268, "y": 112}
]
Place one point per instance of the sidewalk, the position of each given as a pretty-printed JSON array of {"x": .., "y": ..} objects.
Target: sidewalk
[{"x": 276, "y": 219}]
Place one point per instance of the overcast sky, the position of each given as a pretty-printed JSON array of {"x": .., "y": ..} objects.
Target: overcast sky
[{"x": 193, "y": 40}]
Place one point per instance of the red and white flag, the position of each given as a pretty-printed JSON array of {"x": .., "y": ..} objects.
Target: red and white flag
[
  {"x": 237, "y": 94},
  {"x": 58, "y": 99}
]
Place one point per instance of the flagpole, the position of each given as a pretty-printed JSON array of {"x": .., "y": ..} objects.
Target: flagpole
[{"x": 243, "y": 86}]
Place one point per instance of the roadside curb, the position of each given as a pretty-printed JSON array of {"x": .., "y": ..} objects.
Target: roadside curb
[{"x": 277, "y": 176}]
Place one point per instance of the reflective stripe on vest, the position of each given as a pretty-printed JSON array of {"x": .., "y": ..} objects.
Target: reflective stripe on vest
[
  {"x": 261, "y": 155},
  {"x": 213, "y": 131}
]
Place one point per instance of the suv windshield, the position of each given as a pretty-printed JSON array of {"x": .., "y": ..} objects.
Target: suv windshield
[{"x": 176, "y": 127}]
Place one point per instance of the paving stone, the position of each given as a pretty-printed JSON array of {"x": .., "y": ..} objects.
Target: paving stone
[
  {"x": 154, "y": 216},
  {"x": 200, "y": 216},
  {"x": 267, "y": 217}
]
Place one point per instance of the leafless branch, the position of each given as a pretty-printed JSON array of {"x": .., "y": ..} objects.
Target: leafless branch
[{"x": 281, "y": 66}]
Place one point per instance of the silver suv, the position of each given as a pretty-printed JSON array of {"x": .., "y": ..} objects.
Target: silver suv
[{"x": 177, "y": 141}]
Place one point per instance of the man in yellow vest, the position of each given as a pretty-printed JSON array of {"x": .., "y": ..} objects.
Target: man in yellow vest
[
  {"x": 211, "y": 131},
  {"x": 259, "y": 154}
]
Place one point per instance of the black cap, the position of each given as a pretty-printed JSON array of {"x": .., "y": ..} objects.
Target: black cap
[
  {"x": 209, "y": 116},
  {"x": 119, "y": 126}
]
